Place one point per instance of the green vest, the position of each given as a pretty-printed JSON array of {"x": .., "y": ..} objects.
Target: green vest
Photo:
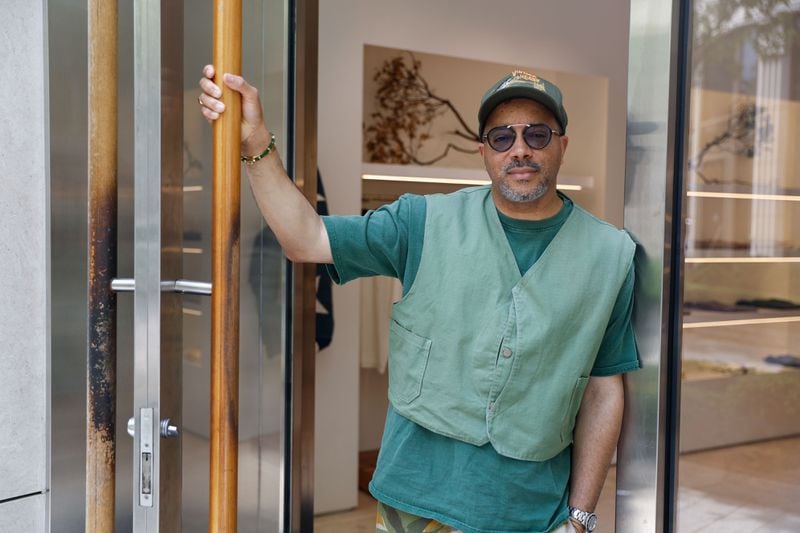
[{"x": 480, "y": 353}]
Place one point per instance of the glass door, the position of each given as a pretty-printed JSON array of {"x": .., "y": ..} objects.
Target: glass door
[
  {"x": 186, "y": 218},
  {"x": 164, "y": 228},
  {"x": 740, "y": 380},
  {"x": 263, "y": 282}
]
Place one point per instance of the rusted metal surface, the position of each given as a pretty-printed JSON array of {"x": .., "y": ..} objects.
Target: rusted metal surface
[
  {"x": 304, "y": 291},
  {"x": 102, "y": 250},
  {"x": 227, "y": 57}
]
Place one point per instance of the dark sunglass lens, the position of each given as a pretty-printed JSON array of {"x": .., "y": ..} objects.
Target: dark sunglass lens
[
  {"x": 537, "y": 136},
  {"x": 501, "y": 139}
]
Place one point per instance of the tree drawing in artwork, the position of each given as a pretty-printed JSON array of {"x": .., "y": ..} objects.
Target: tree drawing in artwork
[
  {"x": 748, "y": 127},
  {"x": 406, "y": 108}
]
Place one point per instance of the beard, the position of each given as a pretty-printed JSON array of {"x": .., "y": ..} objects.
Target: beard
[{"x": 538, "y": 191}]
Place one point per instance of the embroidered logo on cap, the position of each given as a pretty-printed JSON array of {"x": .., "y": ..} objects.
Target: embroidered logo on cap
[{"x": 521, "y": 76}]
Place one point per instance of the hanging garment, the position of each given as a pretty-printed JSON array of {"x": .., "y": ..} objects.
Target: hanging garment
[{"x": 378, "y": 293}]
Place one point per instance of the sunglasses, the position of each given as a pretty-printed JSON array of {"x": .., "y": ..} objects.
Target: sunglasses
[{"x": 502, "y": 138}]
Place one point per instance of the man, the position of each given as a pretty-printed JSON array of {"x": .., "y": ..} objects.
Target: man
[{"x": 507, "y": 348}]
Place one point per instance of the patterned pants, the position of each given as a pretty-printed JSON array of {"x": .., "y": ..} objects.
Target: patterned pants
[{"x": 391, "y": 520}]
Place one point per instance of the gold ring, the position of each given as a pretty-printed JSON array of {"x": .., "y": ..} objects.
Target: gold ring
[{"x": 199, "y": 100}]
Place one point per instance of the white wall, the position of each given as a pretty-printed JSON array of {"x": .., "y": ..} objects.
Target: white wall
[
  {"x": 570, "y": 35},
  {"x": 24, "y": 324}
]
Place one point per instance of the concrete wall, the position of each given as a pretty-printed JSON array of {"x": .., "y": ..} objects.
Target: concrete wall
[
  {"x": 24, "y": 318},
  {"x": 571, "y": 36}
]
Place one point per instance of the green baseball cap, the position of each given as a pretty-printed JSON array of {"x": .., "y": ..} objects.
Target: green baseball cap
[{"x": 520, "y": 84}]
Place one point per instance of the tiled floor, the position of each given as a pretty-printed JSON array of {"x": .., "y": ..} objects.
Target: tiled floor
[
  {"x": 752, "y": 488},
  {"x": 744, "y": 489}
]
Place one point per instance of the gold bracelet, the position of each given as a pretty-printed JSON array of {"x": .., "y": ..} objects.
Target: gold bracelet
[{"x": 252, "y": 159}]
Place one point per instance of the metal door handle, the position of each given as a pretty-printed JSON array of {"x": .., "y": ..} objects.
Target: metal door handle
[
  {"x": 123, "y": 284},
  {"x": 185, "y": 286}
]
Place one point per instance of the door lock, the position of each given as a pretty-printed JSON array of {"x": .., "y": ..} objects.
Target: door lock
[
  {"x": 146, "y": 450},
  {"x": 167, "y": 430}
]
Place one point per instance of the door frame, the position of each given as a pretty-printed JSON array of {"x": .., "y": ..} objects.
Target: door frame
[
  {"x": 298, "y": 514},
  {"x": 647, "y": 455}
]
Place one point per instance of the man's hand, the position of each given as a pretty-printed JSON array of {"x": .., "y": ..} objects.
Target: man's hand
[
  {"x": 291, "y": 217},
  {"x": 254, "y": 132},
  {"x": 577, "y": 525}
]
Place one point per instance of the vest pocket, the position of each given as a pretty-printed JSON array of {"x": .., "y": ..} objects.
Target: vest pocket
[
  {"x": 408, "y": 357},
  {"x": 574, "y": 406}
]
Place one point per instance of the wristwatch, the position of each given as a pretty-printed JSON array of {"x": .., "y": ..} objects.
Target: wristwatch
[{"x": 589, "y": 520}]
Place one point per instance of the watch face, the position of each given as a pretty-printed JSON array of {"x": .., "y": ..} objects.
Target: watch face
[{"x": 591, "y": 522}]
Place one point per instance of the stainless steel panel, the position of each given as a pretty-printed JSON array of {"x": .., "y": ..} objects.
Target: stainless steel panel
[
  {"x": 68, "y": 129},
  {"x": 67, "y": 33},
  {"x": 648, "y": 197},
  {"x": 147, "y": 260},
  {"x": 157, "y": 237}
]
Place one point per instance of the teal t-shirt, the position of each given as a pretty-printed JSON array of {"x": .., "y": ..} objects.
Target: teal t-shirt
[{"x": 472, "y": 488}]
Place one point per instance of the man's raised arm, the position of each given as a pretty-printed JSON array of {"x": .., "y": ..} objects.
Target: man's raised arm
[{"x": 293, "y": 220}]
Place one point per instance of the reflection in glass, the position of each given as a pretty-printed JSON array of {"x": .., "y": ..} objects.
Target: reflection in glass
[{"x": 740, "y": 405}]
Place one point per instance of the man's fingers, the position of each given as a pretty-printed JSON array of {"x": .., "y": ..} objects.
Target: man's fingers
[
  {"x": 209, "y": 114},
  {"x": 211, "y": 106},
  {"x": 210, "y": 88},
  {"x": 233, "y": 81},
  {"x": 211, "y": 103},
  {"x": 237, "y": 83}
]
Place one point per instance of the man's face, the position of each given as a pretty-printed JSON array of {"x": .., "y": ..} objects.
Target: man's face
[{"x": 523, "y": 174}]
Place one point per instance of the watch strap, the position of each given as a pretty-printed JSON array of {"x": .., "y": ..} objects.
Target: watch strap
[{"x": 583, "y": 517}]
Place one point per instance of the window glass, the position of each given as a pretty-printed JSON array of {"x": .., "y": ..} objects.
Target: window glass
[{"x": 740, "y": 395}]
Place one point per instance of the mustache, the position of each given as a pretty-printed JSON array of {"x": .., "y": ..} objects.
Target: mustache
[{"x": 526, "y": 163}]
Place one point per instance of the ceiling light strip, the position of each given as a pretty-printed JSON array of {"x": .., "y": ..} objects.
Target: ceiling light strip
[
  {"x": 449, "y": 181},
  {"x": 745, "y": 196},
  {"x": 743, "y": 322},
  {"x": 697, "y": 260}
]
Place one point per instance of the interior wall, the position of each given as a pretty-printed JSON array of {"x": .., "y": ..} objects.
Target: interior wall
[{"x": 569, "y": 36}]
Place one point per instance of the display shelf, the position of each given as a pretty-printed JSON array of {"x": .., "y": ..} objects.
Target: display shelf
[
  {"x": 726, "y": 352},
  {"x": 741, "y": 254},
  {"x": 741, "y": 259},
  {"x": 744, "y": 196},
  {"x": 712, "y": 319},
  {"x": 743, "y": 192}
]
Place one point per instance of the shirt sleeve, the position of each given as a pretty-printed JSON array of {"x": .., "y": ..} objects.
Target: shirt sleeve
[
  {"x": 618, "y": 351},
  {"x": 378, "y": 242}
]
